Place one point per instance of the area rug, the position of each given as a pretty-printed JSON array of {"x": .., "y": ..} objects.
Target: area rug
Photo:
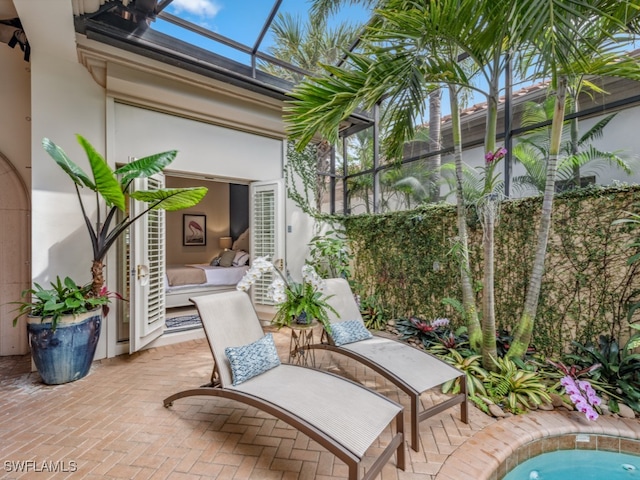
[{"x": 184, "y": 322}]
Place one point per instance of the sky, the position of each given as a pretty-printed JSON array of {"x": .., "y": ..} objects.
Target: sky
[{"x": 240, "y": 20}]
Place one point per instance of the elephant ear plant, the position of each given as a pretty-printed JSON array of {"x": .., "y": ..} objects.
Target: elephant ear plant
[{"x": 113, "y": 187}]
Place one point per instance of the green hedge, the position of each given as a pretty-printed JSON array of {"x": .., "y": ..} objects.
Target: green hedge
[{"x": 405, "y": 258}]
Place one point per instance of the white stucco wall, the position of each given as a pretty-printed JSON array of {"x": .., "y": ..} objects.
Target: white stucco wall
[{"x": 205, "y": 149}]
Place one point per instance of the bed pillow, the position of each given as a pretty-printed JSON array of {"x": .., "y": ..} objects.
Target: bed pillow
[
  {"x": 215, "y": 262},
  {"x": 348, "y": 332},
  {"x": 242, "y": 242},
  {"x": 226, "y": 258},
  {"x": 250, "y": 360},
  {"x": 241, "y": 259}
]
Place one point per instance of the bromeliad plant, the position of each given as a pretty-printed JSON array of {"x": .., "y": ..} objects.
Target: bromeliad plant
[
  {"x": 474, "y": 373},
  {"x": 515, "y": 387},
  {"x": 372, "y": 312},
  {"x": 431, "y": 333},
  {"x": 299, "y": 302}
]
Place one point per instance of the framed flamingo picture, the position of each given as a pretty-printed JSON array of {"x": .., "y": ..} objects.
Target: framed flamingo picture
[{"x": 194, "y": 229}]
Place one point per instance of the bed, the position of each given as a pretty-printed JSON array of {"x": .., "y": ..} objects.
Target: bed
[{"x": 185, "y": 281}]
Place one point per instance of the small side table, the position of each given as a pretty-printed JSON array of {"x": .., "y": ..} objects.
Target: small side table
[{"x": 302, "y": 336}]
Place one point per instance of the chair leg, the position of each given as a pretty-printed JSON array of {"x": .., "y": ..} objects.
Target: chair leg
[
  {"x": 464, "y": 406},
  {"x": 400, "y": 455},
  {"x": 415, "y": 421},
  {"x": 353, "y": 471}
]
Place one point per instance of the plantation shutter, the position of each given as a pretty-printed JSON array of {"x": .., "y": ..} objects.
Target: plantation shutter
[
  {"x": 148, "y": 269},
  {"x": 267, "y": 227}
]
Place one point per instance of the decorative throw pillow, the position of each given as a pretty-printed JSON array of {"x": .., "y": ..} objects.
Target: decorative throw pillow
[
  {"x": 349, "y": 332},
  {"x": 215, "y": 262},
  {"x": 253, "y": 359},
  {"x": 241, "y": 258},
  {"x": 226, "y": 258}
]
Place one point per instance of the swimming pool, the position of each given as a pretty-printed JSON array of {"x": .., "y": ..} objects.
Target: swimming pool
[{"x": 578, "y": 465}]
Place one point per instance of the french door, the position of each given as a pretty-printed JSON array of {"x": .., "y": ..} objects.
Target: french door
[
  {"x": 266, "y": 219},
  {"x": 146, "y": 270}
]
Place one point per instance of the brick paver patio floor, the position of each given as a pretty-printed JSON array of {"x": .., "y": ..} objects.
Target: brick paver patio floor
[{"x": 112, "y": 424}]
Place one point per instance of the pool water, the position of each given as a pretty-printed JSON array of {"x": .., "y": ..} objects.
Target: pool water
[{"x": 578, "y": 465}]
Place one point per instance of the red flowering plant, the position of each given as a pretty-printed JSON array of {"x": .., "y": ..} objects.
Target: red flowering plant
[
  {"x": 581, "y": 392},
  {"x": 431, "y": 333}
]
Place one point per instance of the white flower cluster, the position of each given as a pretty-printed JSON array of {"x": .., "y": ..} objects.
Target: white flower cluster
[
  {"x": 277, "y": 289},
  {"x": 309, "y": 275},
  {"x": 259, "y": 266}
]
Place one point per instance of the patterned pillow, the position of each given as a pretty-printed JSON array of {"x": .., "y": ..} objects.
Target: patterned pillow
[
  {"x": 250, "y": 360},
  {"x": 349, "y": 332}
]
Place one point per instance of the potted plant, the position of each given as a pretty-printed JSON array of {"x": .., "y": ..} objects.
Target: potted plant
[
  {"x": 61, "y": 324},
  {"x": 77, "y": 312},
  {"x": 299, "y": 302}
]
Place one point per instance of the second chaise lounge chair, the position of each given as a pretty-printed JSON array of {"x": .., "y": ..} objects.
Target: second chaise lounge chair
[
  {"x": 341, "y": 415},
  {"x": 412, "y": 370}
]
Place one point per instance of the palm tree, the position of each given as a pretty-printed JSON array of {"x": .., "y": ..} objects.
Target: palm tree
[
  {"x": 435, "y": 141},
  {"x": 568, "y": 39},
  {"x": 532, "y": 150},
  {"x": 398, "y": 63},
  {"x": 306, "y": 44},
  {"x": 405, "y": 75}
]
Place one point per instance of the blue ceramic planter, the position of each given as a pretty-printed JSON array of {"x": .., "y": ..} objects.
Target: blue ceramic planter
[
  {"x": 302, "y": 319},
  {"x": 66, "y": 354}
]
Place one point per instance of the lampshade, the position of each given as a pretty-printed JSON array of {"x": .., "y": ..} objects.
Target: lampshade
[{"x": 225, "y": 242}]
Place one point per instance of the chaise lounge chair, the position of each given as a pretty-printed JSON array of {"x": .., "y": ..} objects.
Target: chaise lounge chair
[
  {"x": 342, "y": 416},
  {"x": 412, "y": 370}
]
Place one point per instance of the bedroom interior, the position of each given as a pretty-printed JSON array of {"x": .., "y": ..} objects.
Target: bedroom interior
[
  {"x": 214, "y": 264},
  {"x": 219, "y": 262}
]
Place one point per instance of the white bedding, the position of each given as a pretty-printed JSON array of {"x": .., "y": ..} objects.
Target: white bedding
[{"x": 216, "y": 276}]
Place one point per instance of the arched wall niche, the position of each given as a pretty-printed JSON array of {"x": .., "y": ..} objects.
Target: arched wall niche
[{"x": 15, "y": 255}]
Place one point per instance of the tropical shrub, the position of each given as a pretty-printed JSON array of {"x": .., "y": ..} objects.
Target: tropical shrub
[{"x": 330, "y": 256}]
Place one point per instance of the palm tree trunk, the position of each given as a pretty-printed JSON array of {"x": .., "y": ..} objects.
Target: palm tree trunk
[
  {"x": 435, "y": 145},
  {"x": 489, "y": 351},
  {"x": 524, "y": 330},
  {"x": 97, "y": 277},
  {"x": 574, "y": 136},
  {"x": 468, "y": 298}
]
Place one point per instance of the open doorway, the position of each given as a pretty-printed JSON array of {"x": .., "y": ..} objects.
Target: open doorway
[{"x": 205, "y": 249}]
